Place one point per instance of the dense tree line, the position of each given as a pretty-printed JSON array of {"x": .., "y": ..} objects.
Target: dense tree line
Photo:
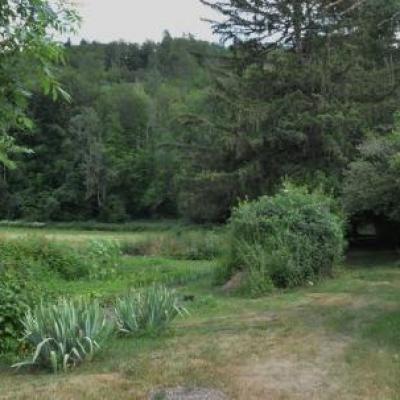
[
  {"x": 186, "y": 128},
  {"x": 113, "y": 153}
]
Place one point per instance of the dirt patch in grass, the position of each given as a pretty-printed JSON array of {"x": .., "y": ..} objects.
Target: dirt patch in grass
[{"x": 234, "y": 283}]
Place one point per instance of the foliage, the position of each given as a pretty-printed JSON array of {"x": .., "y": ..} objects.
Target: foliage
[
  {"x": 104, "y": 258},
  {"x": 207, "y": 197},
  {"x": 302, "y": 85},
  {"x": 371, "y": 186},
  {"x": 289, "y": 239},
  {"x": 148, "y": 311},
  {"x": 258, "y": 263},
  {"x": 134, "y": 272},
  {"x": 17, "y": 293},
  {"x": 185, "y": 128},
  {"x": 28, "y": 52},
  {"x": 65, "y": 334},
  {"x": 112, "y": 154},
  {"x": 182, "y": 244},
  {"x": 38, "y": 255}
]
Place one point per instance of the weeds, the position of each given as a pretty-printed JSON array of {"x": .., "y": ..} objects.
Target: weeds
[{"x": 188, "y": 245}]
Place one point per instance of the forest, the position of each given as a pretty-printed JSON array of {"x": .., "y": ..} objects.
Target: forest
[
  {"x": 188, "y": 220},
  {"x": 185, "y": 128}
]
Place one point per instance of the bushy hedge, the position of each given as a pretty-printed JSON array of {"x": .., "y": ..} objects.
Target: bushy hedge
[
  {"x": 32, "y": 254},
  {"x": 286, "y": 240}
]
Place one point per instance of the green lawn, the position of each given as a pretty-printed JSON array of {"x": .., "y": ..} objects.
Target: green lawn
[{"x": 336, "y": 340}]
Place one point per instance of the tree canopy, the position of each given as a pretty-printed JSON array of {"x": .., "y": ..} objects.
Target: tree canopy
[
  {"x": 186, "y": 128},
  {"x": 28, "y": 50}
]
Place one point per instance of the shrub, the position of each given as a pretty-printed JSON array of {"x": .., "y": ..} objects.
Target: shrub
[
  {"x": 103, "y": 257},
  {"x": 65, "y": 334},
  {"x": 257, "y": 262},
  {"x": 31, "y": 254},
  {"x": 16, "y": 295},
  {"x": 371, "y": 186},
  {"x": 147, "y": 311},
  {"x": 288, "y": 239},
  {"x": 37, "y": 254}
]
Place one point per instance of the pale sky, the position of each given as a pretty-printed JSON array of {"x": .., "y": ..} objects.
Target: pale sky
[{"x": 138, "y": 20}]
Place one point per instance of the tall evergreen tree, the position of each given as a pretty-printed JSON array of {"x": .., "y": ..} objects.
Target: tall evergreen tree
[{"x": 305, "y": 82}]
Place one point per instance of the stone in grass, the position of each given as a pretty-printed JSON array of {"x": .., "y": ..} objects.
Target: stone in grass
[{"x": 181, "y": 393}]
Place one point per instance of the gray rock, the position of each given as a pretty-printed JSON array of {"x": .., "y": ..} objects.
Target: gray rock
[{"x": 188, "y": 394}]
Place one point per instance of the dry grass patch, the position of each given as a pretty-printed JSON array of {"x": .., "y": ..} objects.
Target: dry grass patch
[
  {"x": 296, "y": 368},
  {"x": 103, "y": 386}
]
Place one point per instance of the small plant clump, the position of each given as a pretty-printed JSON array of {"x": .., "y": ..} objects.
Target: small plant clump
[
  {"x": 148, "y": 311},
  {"x": 64, "y": 334},
  {"x": 17, "y": 293}
]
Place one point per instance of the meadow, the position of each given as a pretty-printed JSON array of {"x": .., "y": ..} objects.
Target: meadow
[{"x": 336, "y": 339}]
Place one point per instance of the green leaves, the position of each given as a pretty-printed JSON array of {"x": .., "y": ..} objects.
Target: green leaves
[
  {"x": 65, "y": 334},
  {"x": 16, "y": 295},
  {"x": 148, "y": 311},
  {"x": 288, "y": 239},
  {"x": 28, "y": 31},
  {"x": 371, "y": 185},
  {"x": 97, "y": 260}
]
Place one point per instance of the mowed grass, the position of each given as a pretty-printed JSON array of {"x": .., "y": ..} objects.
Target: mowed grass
[{"x": 336, "y": 340}]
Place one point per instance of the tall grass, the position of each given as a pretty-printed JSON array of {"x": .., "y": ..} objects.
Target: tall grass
[{"x": 188, "y": 245}]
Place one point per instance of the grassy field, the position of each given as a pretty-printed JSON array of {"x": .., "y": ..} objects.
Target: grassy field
[
  {"x": 336, "y": 340},
  {"x": 77, "y": 235}
]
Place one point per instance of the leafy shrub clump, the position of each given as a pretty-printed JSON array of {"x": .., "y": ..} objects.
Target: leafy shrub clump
[
  {"x": 64, "y": 334},
  {"x": 147, "y": 312},
  {"x": 103, "y": 258},
  {"x": 96, "y": 260},
  {"x": 16, "y": 295},
  {"x": 285, "y": 240}
]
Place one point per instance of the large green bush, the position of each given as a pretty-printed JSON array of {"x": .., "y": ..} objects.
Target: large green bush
[{"x": 286, "y": 240}]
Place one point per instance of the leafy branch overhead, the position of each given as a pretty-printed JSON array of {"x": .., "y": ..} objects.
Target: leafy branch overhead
[
  {"x": 267, "y": 24},
  {"x": 28, "y": 53}
]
